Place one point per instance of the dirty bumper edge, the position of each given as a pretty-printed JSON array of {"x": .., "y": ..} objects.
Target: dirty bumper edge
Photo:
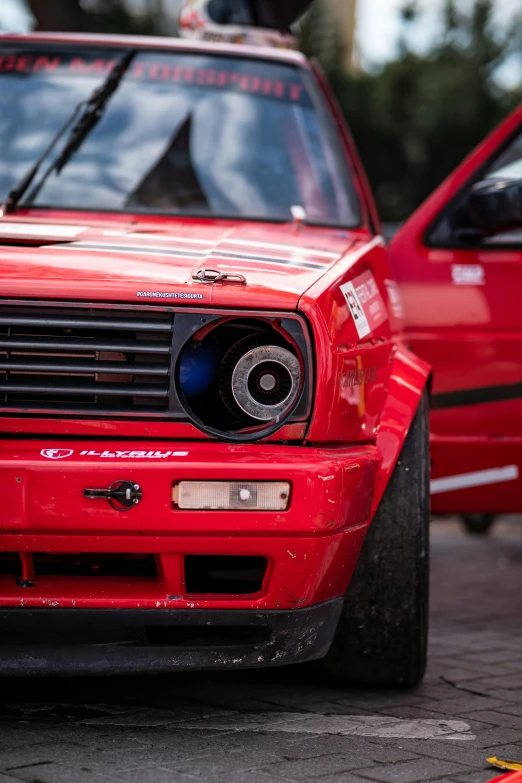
[{"x": 108, "y": 641}]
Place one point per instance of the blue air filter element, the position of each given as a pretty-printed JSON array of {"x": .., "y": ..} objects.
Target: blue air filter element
[{"x": 198, "y": 368}]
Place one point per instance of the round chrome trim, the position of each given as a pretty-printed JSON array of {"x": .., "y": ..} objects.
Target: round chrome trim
[
  {"x": 268, "y": 382},
  {"x": 241, "y": 375}
]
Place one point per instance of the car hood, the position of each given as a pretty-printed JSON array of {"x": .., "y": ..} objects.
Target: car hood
[{"x": 154, "y": 263}]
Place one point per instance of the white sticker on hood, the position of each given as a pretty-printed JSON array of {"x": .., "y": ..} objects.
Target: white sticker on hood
[
  {"x": 168, "y": 295},
  {"x": 40, "y": 230}
]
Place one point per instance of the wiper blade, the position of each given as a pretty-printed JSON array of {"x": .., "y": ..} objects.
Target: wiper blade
[
  {"x": 90, "y": 111},
  {"x": 94, "y": 110},
  {"x": 20, "y": 189}
]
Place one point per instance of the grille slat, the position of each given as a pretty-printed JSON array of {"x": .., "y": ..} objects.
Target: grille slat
[
  {"x": 106, "y": 389},
  {"x": 86, "y": 323},
  {"x": 97, "y": 361},
  {"x": 38, "y": 365},
  {"x": 89, "y": 345}
]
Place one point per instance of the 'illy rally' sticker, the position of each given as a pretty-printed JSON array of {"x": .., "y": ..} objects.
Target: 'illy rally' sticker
[{"x": 365, "y": 302}]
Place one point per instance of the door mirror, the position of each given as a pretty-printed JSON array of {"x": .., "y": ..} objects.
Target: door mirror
[{"x": 496, "y": 205}]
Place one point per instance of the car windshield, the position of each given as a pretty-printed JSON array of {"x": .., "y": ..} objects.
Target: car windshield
[{"x": 184, "y": 134}]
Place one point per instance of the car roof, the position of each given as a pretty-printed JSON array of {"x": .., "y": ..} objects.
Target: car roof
[{"x": 158, "y": 42}]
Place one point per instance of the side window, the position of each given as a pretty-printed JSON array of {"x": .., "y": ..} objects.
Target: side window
[
  {"x": 507, "y": 165},
  {"x": 241, "y": 12},
  {"x": 454, "y": 228},
  {"x": 230, "y": 12}
]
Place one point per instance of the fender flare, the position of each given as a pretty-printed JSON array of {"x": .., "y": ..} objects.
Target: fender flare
[{"x": 409, "y": 378}]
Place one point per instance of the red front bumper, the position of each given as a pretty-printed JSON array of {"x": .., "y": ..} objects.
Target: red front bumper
[{"x": 311, "y": 548}]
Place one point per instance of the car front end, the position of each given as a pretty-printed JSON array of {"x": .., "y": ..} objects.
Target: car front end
[{"x": 203, "y": 391}]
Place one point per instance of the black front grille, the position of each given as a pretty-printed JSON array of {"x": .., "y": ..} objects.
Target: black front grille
[{"x": 93, "y": 361}]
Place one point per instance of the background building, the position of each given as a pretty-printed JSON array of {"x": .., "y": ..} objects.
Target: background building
[
  {"x": 329, "y": 34},
  {"x": 339, "y": 22}
]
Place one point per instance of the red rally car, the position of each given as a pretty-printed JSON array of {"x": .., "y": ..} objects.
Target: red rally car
[
  {"x": 459, "y": 264},
  {"x": 207, "y": 407}
]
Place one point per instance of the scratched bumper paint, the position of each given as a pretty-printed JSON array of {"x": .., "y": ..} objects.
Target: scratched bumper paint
[{"x": 311, "y": 549}]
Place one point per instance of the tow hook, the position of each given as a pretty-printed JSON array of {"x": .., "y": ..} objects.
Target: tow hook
[
  {"x": 122, "y": 495},
  {"x": 211, "y": 276}
]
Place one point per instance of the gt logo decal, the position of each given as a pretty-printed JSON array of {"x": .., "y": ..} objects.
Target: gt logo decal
[{"x": 57, "y": 453}]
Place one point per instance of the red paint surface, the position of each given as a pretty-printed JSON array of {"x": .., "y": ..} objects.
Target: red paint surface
[{"x": 472, "y": 337}]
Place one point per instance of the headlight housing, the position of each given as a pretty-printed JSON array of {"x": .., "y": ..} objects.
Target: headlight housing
[
  {"x": 243, "y": 378},
  {"x": 259, "y": 379}
]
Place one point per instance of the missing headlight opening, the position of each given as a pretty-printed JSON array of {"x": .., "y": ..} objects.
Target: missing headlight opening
[{"x": 243, "y": 374}]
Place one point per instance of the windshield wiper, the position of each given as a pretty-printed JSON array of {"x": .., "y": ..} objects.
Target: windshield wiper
[{"x": 90, "y": 111}]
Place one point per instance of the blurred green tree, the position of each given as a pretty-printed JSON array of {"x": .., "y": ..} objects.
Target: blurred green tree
[{"x": 418, "y": 117}]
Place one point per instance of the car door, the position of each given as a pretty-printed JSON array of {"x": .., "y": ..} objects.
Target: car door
[{"x": 462, "y": 295}]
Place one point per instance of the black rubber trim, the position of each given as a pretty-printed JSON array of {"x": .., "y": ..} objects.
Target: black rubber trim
[
  {"x": 476, "y": 176},
  {"x": 107, "y": 641},
  {"x": 477, "y": 396}
]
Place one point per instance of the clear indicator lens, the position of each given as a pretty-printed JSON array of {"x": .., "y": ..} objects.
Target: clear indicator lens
[{"x": 232, "y": 495}]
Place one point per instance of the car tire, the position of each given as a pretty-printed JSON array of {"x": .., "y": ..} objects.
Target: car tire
[
  {"x": 381, "y": 639},
  {"x": 478, "y": 524}
]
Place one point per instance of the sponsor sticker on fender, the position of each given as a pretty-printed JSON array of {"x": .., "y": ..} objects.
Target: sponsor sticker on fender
[
  {"x": 358, "y": 377},
  {"x": 365, "y": 303}
]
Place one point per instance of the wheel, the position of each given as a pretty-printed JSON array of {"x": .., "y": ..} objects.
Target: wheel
[
  {"x": 478, "y": 524},
  {"x": 382, "y": 634}
]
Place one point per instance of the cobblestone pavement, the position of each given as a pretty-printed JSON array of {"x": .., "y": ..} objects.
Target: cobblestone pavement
[{"x": 277, "y": 726}]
